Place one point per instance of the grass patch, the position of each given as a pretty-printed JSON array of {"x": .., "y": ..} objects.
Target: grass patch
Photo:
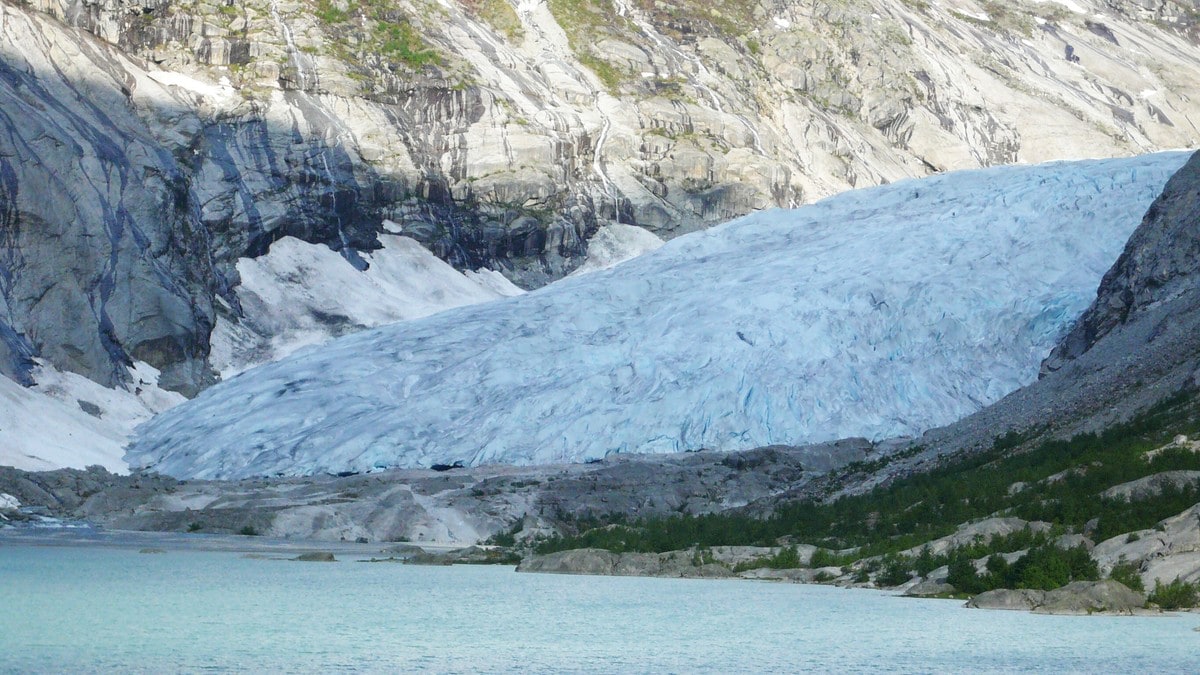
[
  {"x": 391, "y": 36},
  {"x": 498, "y": 14},
  {"x": 329, "y": 13},
  {"x": 399, "y": 41},
  {"x": 733, "y": 18},
  {"x": 586, "y": 22}
]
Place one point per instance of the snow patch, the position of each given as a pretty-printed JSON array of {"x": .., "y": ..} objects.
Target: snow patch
[
  {"x": 67, "y": 420},
  {"x": 301, "y": 294},
  {"x": 8, "y": 501},
  {"x": 878, "y": 313},
  {"x": 223, "y": 92},
  {"x": 1069, "y": 4},
  {"x": 615, "y": 243}
]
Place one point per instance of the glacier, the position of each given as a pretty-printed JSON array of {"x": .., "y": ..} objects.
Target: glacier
[{"x": 880, "y": 312}]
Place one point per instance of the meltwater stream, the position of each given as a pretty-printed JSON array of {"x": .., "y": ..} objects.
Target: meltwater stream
[{"x": 85, "y": 609}]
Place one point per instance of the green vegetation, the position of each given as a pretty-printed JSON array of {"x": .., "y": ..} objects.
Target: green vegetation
[
  {"x": 195, "y": 526},
  {"x": 508, "y": 538},
  {"x": 1001, "y": 18},
  {"x": 499, "y": 15},
  {"x": 248, "y": 531},
  {"x": 607, "y": 72},
  {"x": 586, "y": 22},
  {"x": 1129, "y": 575},
  {"x": 1175, "y": 595},
  {"x": 894, "y": 571},
  {"x": 399, "y": 41},
  {"x": 392, "y": 35},
  {"x": 329, "y": 13},
  {"x": 733, "y": 18},
  {"x": 787, "y": 558},
  {"x": 1057, "y": 481},
  {"x": 1044, "y": 567}
]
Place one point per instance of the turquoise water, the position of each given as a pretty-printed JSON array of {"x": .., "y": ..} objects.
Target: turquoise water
[{"x": 85, "y": 609}]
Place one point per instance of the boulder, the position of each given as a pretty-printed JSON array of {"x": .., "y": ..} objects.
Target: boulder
[
  {"x": 1007, "y": 598},
  {"x": 1090, "y": 597},
  {"x": 1078, "y": 597},
  {"x": 575, "y": 561},
  {"x": 930, "y": 588},
  {"x": 316, "y": 556}
]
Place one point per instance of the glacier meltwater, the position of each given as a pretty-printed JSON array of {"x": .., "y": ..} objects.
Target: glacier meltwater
[{"x": 879, "y": 312}]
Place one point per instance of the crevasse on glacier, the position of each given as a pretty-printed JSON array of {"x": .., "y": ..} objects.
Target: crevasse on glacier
[{"x": 878, "y": 312}]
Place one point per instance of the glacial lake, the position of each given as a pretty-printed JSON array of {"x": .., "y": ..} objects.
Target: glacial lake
[{"x": 104, "y": 608}]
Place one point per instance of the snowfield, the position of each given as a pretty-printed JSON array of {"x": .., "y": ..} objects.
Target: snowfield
[
  {"x": 880, "y": 312},
  {"x": 301, "y": 294},
  {"x": 68, "y": 420}
]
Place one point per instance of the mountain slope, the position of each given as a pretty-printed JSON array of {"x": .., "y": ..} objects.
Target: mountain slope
[
  {"x": 146, "y": 147},
  {"x": 876, "y": 313}
]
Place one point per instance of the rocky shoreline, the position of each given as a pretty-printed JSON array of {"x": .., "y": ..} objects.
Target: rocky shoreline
[{"x": 454, "y": 506}]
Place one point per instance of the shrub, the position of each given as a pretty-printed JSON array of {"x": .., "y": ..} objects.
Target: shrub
[
  {"x": 1128, "y": 574},
  {"x": 926, "y": 562},
  {"x": 895, "y": 571},
  {"x": 1048, "y": 567},
  {"x": 1176, "y": 595},
  {"x": 787, "y": 558},
  {"x": 963, "y": 577},
  {"x": 248, "y": 531},
  {"x": 826, "y": 558}
]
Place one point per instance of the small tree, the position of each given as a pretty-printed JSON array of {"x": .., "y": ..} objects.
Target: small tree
[{"x": 1178, "y": 594}]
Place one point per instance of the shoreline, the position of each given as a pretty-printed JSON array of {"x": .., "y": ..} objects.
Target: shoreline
[{"x": 81, "y": 535}]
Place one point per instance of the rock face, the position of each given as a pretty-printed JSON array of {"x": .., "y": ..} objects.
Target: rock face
[
  {"x": 1152, "y": 486},
  {"x": 1078, "y": 597},
  {"x": 983, "y": 530},
  {"x": 606, "y": 563},
  {"x": 1169, "y": 551},
  {"x": 1158, "y": 268},
  {"x": 147, "y": 146}
]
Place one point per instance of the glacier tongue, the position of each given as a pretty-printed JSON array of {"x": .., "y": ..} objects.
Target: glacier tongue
[{"x": 877, "y": 313}]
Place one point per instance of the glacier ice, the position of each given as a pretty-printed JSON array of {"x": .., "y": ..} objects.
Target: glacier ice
[{"x": 877, "y": 313}]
